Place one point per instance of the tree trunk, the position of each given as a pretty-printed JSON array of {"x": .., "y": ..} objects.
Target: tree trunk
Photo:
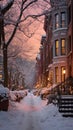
[{"x": 5, "y": 66}]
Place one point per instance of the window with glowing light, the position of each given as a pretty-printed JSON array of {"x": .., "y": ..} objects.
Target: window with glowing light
[
  {"x": 63, "y": 73},
  {"x": 56, "y": 48},
  {"x": 63, "y": 47}
]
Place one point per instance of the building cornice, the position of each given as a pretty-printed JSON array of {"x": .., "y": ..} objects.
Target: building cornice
[{"x": 60, "y": 29}]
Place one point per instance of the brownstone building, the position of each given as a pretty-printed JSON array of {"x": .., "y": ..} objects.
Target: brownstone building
[
  {"x": 42, "y": 62},
  {"x": 48, "y": 30},
  {"x": 58, "y": 44},
  {"x": 56, "y": 32},
  {"x": 70, "y": 38},
  {"x": 39, "y": 68}
]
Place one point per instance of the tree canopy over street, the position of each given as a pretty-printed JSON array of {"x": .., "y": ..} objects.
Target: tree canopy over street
[{"x": 18, "y": 15}]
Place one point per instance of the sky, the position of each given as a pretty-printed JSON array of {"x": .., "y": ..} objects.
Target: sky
[
  {"x": 34, "y": 42},
  {"x": 30, "y": 51},
  {"x": 32, "y": 113}
]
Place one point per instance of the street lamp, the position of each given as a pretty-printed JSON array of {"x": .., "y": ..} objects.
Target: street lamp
[
  {"x": 48, "y": 78},
  {"x": 64, "y": 72},
  {"x": 49, "y": 81}
]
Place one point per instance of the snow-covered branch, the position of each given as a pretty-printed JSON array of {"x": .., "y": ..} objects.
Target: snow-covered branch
[{"x": 7, "y": 6}]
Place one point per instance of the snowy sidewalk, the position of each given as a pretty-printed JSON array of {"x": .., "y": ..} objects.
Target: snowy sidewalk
[{"x": 32, "y": 113}]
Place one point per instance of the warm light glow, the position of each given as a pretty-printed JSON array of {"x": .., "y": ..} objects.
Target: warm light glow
[
  {"x": 0, "y": 76},
  {"x": 48, "y": 78},
  {"x": 64, "y": 71}
]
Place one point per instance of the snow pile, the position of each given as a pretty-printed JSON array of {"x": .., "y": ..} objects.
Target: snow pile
[
  {"x": 32, "y": 113},
  {"x": 44, "y": 90},
  {"x": 17, "y": 95},
  {"x": 12, "y": 96}
]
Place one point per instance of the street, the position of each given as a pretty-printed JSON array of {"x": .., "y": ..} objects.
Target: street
[
  {"x": 23, "y": 115},
  {"x": 32, "y": 106},
  {"x": 32, "y": 113}
]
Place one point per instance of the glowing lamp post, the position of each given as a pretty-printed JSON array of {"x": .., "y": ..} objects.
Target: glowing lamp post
[
  {"x": 49, "y": 81},
  {"x": 64, "y": 72},
  {"x": 48, "y": 78}
]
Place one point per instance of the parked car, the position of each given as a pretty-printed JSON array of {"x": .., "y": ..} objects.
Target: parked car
[{"x": 4, "y": 98}]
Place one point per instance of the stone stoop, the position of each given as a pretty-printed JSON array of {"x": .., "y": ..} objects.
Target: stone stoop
[{"x": 65, "y": 105}]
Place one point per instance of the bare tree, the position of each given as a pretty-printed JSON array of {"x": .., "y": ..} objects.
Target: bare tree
[
  {"x": 12, "y": 15},
  {"x": 16, "y": 77}
]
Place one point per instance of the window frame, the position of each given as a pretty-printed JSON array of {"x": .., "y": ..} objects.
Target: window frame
[
  {"x": 56, "y": 21},
  {"x": 63, "y": 19},
  {"x": 56, "y": 47},
  {"x": 62, "y": 74},
  {"x": 63, "y": 47}
]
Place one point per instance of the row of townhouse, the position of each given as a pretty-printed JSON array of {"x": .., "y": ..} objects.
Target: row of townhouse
[
  {"x": 56, "y": 52},
  {"x": 42, "y": 63}
]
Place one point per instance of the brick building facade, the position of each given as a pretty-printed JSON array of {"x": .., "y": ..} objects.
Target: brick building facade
[
  {"x": 58, "y": 41},
  {"x": 41, "y": 63},
  {"x": 58, "y": 25},
  {"x": 70, "y": 38}
]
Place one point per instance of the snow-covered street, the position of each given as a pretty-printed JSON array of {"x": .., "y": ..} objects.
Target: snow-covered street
[{"x": 32, "y": 113}]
